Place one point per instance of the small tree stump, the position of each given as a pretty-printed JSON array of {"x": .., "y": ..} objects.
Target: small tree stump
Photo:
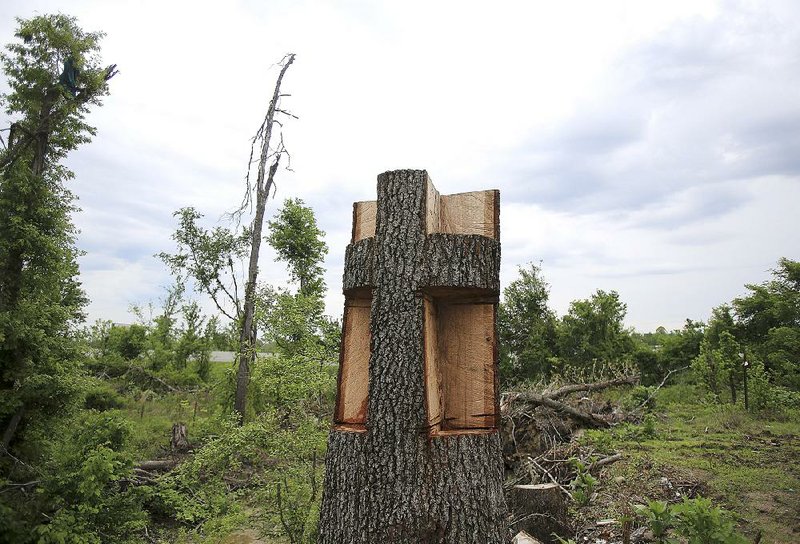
[{"x": 180, "y": 441}]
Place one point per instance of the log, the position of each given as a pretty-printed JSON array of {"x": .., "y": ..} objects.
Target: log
[
  {"x": 157, "y": 465},
  {"x": 595, "y": 386}
]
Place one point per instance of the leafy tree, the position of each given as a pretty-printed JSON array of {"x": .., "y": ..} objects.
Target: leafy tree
[
  {"x": 769, "y": 320},
  {"x": 593, "y": 331},
  {"x": 297, "y": 239},
  {"x": 40, "y": 296},
  {"x": 660, "y": 352},
  {"x": 305, "y": 339},
  {"x": 526, "y": 327}
]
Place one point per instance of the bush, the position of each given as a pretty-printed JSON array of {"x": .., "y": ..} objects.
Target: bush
[
  {"x": 101, "y": 396},
  {"x": 702, "y": 523},
  {"x": 81, "y": 484}
]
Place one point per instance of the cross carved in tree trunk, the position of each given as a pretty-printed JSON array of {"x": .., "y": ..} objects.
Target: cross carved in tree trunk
[{"x": 414, "y": 453}]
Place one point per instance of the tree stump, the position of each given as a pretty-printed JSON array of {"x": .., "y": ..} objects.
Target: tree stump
[
  {"x": 414, "y": 453},
  {"x": 180, "y": 440}
]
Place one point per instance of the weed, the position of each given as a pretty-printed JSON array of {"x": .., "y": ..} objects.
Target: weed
[
  {"x": 583, "y": 485},
  {"x": 658, "y": 516},
  {"x": 702, "y": 523}
]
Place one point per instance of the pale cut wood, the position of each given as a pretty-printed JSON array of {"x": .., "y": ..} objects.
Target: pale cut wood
[
  {"x": 469, "y": 213},
  {"x": 433, "y": 385},
  {"x": 433, "y": 214},
  {"x": 354, "y": 366},
  {"x": 364, "y": 214},
  {"x": 466, "y": 348},
  {"x": 524, "y": 538}
]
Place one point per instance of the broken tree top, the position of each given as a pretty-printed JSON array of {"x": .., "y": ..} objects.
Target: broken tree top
[
  {"x": 414, "y": 245},
  {"x": 414, "y": 454}
]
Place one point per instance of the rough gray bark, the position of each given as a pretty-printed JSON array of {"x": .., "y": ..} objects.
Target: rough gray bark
[{"x": 394, "y": 483}]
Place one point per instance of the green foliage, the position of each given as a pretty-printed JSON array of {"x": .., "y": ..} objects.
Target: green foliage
[
  {"x": 298, "y": 240},
  {"x": 769, "y": 320},
  {"x": 101, "y": 395},
  {"x": 658, "y": 516},
  {"x": 81, "y": 486},
  {"x": 249, "y": 460},
  {"x": 697, "y": 520},
  {"x": 208, "y": 258},
  {"x": 729, "y": 361},
  {"x": 526, "y": 328},
  {"x": 637, "y": 396},
  {"x": 40, "y": 296},
  {"x": 702, "y": 523},
  {"x": 660, "y": 352},
  {"x": 127, "y": 341},
  {"x": 583, "y": 485},
  {"x": 593, "y": 331}
]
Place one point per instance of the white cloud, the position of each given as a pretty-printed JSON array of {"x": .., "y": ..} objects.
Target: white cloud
[{"x": 644, "y": 147}]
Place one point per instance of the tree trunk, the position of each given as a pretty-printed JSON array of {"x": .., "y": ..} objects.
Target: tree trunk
[
  {"x": 393, "y": 479},
  {"x": 247, "y": 335},
  {"x": 11, "y": 428}
]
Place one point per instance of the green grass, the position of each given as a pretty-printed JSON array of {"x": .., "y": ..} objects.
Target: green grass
[{"x": 747, "y": 462}]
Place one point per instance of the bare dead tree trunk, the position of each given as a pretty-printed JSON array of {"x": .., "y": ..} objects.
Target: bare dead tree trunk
[{"x": 247, "y": 335}]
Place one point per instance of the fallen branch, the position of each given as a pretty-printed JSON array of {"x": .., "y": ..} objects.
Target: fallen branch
[
  {"x": 160, "y": 464},
  {"x": 605, "y": 461},
  {"x": 596, "y": 386},
  {"x": 541, "y": 400},
  {"x": 552, "y": 478},
  {"x": 152, "y": 376}
]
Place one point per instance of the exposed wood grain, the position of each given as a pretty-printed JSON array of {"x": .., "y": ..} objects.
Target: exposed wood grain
[
  {"x": 466, "y": 340},
  {"x": 470, "y": 213},
  {"x": 351, "y": 405},
  {"x": 364, "y": 214},
  {"x": 433, "y": 386}
]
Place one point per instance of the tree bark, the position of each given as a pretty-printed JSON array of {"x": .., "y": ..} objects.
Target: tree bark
[
  {"x": 247, "y": 335},
  {"x": 393, "y": 481}
]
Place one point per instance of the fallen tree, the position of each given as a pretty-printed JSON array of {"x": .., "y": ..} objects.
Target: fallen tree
[{"x": 548, "y": 399}]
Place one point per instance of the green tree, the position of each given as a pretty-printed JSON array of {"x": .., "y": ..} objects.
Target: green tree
[
  {"x": 305, "y": 338},
  {"x": 527, "y": 327},
  {"x": 660, "y": 352},
  {"x": 297, "y": 239},
  {"x": 593, "y": 331},
  {"x": 54, "y": 76},
  {"x": 769, "y": 320}
]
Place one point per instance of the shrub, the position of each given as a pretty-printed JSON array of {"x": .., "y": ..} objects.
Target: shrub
[
  {"x": 658, "y": 516},
  {"x": 702, "y": 523},
  {"x": 101, "y": 396}
]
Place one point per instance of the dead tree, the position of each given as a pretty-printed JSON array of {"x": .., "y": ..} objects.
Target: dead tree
[
  {"x": 414, "y": 454},
  {"x": 269, "y": 160}
]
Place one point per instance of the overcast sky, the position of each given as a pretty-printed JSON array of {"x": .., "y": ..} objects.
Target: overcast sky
[{"x": 648, "y": 147}]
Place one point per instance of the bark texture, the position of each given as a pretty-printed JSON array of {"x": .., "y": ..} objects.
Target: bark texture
[{"x": 393, "y": 482}]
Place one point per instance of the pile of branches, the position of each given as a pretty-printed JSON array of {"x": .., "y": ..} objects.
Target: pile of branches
[{"x": 541, "y": 458}]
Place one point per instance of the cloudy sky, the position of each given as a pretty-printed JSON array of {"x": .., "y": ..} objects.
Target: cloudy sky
[{"x": 646, "y": 147}]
